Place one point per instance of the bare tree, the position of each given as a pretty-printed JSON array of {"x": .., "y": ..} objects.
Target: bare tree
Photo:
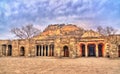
[
  {"x": 100, "y": 29},
  {"x": 109, "y": 33},
  {"x": 25, "y": 32}
]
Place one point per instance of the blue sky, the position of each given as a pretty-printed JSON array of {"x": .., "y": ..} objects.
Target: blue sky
[{"x": 84, "y": 13}]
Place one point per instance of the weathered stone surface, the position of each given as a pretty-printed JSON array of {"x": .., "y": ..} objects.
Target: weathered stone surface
[{"x": 54, "y": 38}]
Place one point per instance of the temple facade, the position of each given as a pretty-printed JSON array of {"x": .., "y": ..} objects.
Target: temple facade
[{"x": 62, "y": 41}]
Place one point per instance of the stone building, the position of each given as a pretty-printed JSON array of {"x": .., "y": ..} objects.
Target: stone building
[{"x": 62, "y": 41}]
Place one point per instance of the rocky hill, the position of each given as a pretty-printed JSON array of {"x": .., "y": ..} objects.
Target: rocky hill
[{"x": 62, "y": 29}]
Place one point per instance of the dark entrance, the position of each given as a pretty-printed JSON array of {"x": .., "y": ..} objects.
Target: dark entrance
[
  {"x": 66, "y": 51},
  {"x": 52, "y": 50},
  {"x": 83, "y": 50},
  {"x": 22, "y": 51},
  {"x": 9, "y": 50},
  {"x": 100, "y": 47},
  {"x": 47, "y": 50},
  {"x": 40, "y": 49},
  {"x": 119, "y": 50},
  {"x": 91, "y": 50},
  {"x": 37, "y": 51},
  {"x": 43, "y": 50}
]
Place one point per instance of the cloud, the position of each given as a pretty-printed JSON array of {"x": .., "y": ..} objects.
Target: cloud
[{"x": 88, "y": 13}]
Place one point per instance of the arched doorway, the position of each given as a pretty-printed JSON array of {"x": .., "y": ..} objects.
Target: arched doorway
[
  {"x": 66, "y": 51},
  {"x": 100, "y": 49},
  {"x": 4, "y": 49},
  {"x": 9, "y": 50},
  {"x": 22, "y": 51},
  {"x": 91, "y": 50},
  {"x": 119, "y": 50},
  {"x": 83, "y": 50}
]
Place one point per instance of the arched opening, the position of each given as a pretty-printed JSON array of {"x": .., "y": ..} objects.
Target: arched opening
[
  {"x": 91, "y": 50},
  {"x": 100, "y": 49},
  {"x": 9, "y": 50},
  {"x": 119, "y": 50},
  {"x": 83, "y": 50},
  {"x": 4, "y": 49},
  {"x": 66, "y": 51},
  {"x": 22, "y": 51}
]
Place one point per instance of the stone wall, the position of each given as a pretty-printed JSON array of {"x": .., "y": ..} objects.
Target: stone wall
[{"x": 60, "y": 36}]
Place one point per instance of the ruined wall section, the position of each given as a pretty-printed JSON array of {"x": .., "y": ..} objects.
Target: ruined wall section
[
  {"x": 4, "y": 47},
  {"x": 15, "y": 48}
]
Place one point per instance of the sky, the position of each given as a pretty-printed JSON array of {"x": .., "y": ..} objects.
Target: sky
[{"x": 87, "y": 14}]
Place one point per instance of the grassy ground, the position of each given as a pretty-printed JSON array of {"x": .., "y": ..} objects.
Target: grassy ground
[{"x": 51, "y": 65}]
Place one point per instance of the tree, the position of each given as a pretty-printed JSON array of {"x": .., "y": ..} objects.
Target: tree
[
  {"x": 109, "y": 33},
  {"x": 25, "y": 32},
  {"x": 100, "y": 29}
]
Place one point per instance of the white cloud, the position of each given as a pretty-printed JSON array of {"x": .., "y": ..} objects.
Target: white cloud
[{"x": 85, "y": 13}]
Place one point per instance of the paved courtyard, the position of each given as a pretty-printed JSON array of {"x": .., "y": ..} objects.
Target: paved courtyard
[{"x": 50, "y": 65}]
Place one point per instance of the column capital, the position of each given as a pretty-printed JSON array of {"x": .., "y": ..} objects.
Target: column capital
[
  {"x": 96, "y": 43},
  {"x": 86, "y": 43}
]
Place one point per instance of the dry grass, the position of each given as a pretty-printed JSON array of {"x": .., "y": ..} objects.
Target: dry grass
[{"x": 51, "y": 65}]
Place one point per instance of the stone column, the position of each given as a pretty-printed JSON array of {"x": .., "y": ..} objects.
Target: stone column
[
  {"x": 86, "y": 50},
  {"x": 6, "y": 50},
  {"x": 96, "y": 50},
  {"x": 48, "y": 50},
  {"x": 38, "y": 50},
  {"x": 41, "y": 50},
  {"x": 35, "y": 50}
]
